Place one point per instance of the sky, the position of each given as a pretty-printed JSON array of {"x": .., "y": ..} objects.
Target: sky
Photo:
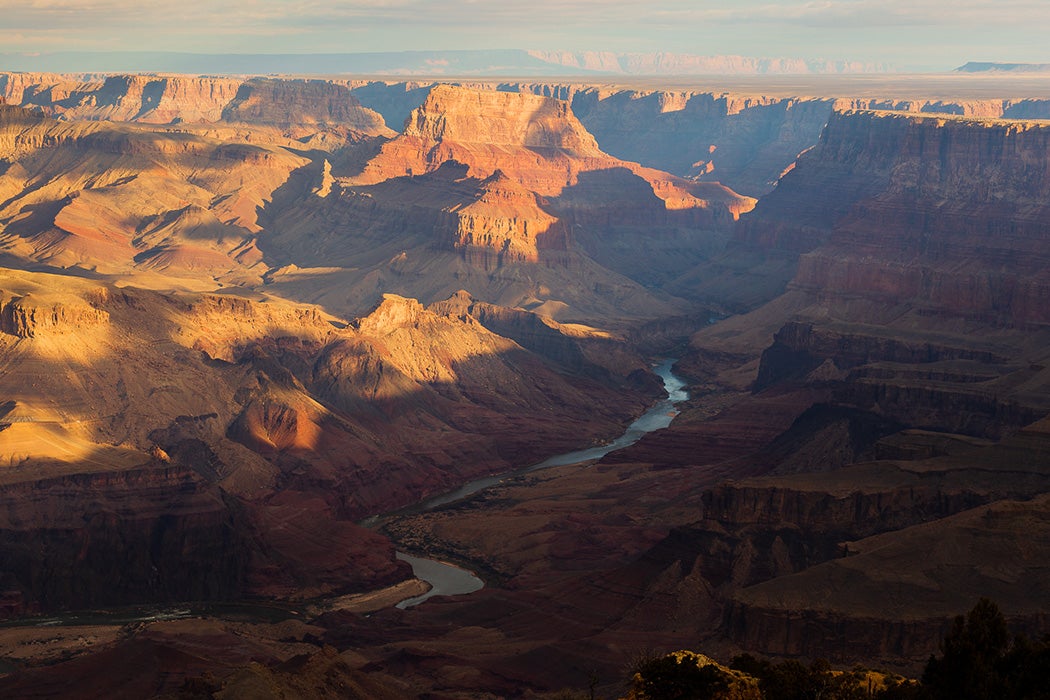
[{"x": 908, "y": 34}]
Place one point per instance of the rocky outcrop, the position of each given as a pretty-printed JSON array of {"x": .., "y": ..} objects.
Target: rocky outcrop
[
  {"x": 945, "y": 383},
  {"x": 505, "y": 223},
  {"x": 577, "y": 349},
  {"x": 894, "y": 596},
  {"x": 304, "y": 105},
  {"x": 863, "y": 553},
  {"x": 299, "y": 106},
  {"x": 488, "y": 130},
  {"x": 26, "y": 317}
]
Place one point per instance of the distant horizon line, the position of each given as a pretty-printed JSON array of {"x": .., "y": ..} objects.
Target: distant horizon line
[{"x": 467, "y": 63}]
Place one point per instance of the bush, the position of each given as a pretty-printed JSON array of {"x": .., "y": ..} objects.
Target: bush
[
  {"x": 678, "y": 677},
  {"x": 979, "y": 662}
]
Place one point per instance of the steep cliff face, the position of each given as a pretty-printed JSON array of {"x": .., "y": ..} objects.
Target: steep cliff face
[
  {"x": 29, "y": 316},
  {"x": 505, "y": 223},
  {"x": 894, "y": 596},
  {"x": 145, "y": 98},
  {"x": 156, "y": 532},
  {"x": 922, "y": 295},
  {"x": 302, "y": 107},
  {"x": 1018, "y": 108},
  {"x": 959, "y": 226},
  {"x": 947, "y": 213},
  {"x": 741, "y": 141},
  {"x": 920, "y": 244}
]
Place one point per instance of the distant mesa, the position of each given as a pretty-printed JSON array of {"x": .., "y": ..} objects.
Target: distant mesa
[{"x": 992, "y": 67}]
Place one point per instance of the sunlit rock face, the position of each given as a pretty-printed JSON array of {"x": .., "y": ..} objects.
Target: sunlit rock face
[
  {"x": 302, "y": 106},
  {"x": 131, "y": 200}
]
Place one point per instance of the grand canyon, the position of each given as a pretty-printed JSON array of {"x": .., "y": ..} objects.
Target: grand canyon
[{"x": 249, "y": 325}]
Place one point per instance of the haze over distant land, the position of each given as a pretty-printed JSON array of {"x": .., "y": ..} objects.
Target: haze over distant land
[
  {"x": 431, "y": 63},
  {"x": 913, "y": 35}
]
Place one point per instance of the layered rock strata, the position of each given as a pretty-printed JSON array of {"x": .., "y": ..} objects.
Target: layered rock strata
[{"x": 919, "y": 244}]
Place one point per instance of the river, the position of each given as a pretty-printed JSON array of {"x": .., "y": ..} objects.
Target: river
[
  {"x": 446, "y": 579},
  {"x": 658, "y": 416}
]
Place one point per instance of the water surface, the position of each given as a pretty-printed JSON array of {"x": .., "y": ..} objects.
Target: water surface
[
  {"x": 657, "y": 417},
  {"x": 443, "y": 578}
]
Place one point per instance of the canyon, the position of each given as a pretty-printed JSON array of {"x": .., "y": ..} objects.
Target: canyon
[{"x": 240, "y": 317}]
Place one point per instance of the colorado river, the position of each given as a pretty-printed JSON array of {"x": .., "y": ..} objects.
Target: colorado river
[
  {"x": 659, "y": 416},
  {"x": 443, "y": 578},
  {"x": 446, "y": 579}
]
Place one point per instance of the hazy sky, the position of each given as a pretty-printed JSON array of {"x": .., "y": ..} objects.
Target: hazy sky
[{"x": 935, "y": 34}]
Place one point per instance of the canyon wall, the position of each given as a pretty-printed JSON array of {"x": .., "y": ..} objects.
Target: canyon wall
[
  {"x": 168, "y": 99},
  {"x": 744, "y": 140},
  {"x": 912, "y": 254}
]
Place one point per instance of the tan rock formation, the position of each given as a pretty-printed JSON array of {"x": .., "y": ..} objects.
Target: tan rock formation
[
  {"x": 306, "y": 105},
  {"x": 506, "y": 223},
  {"x": 121, "y": 198},
  {"x": 301, "y": 106}
]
